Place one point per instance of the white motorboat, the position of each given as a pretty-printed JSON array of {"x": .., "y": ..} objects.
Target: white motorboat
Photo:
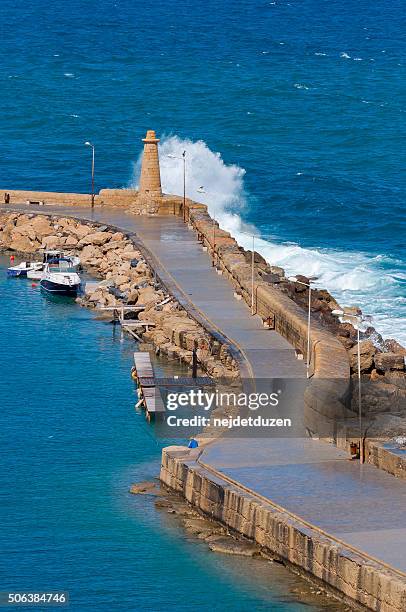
[
  {"x": 60, "y": 280},
  {"x": 53, "y": 257},
  {"x": 23, "y": 268}
]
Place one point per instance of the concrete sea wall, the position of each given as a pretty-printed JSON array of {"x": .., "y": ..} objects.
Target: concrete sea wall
[
  {"x": 122, "y": 198},
  {"x": 327, "y": 395},
  {"x": 351, "y": 575}
]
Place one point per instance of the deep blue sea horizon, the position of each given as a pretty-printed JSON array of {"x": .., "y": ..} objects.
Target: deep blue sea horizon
[
  {"x": 71, "y": 445},
  {"x": 304, "y": 101}
]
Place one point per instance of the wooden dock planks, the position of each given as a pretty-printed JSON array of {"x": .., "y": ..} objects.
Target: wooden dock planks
[{"x": 148, "y": 391}]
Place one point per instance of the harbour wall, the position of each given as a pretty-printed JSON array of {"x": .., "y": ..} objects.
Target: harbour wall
[
  {"x": 327, "y": 396},
  {"x": 352, "y": 575},
  {"x": 123, "y": 198}
]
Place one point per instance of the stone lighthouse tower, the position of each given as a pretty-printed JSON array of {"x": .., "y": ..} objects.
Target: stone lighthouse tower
[{"x": 150, "y": 182}]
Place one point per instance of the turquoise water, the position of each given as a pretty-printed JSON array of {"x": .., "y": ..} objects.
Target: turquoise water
[
  {"x": 303, "y": 100},
  {"x": 71, "y": 444}
]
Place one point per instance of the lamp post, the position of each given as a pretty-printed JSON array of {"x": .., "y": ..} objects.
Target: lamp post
[
  {"x": 184, "y": 180},
  {"x": 89, "y": 144},
  {"x": 311, "y": 280},
  {"x": 359, "y": 318}
]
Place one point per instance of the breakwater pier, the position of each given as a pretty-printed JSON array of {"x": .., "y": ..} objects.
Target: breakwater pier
[{"x": 301, "y": 499}]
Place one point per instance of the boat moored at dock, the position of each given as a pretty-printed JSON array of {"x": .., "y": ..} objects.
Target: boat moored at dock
[
  {"x": 60, "y": 280},
  {"x": 53, "y": 258},
  {"x": 24, "y": 268},
  {"x": 34, "y": 269}
]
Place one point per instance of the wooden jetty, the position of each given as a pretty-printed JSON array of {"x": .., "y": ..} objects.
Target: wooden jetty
[
  {"x": 148, "y": 385},
  {"x": 148, "y": 392},
  {"x": 129, "y": 325}
]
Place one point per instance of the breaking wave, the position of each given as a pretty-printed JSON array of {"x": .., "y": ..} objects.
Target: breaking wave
[{"x": 373, "y": 282}]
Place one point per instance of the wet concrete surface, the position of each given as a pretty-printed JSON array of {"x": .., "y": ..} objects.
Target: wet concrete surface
[{"x": 360, "y": 505}]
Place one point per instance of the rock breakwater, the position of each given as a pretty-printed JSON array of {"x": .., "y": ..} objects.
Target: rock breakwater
[{"x": 125, "y": 278}]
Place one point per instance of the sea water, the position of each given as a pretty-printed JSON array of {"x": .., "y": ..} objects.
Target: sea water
[
  {"x": 292, "y": 114},
  {"x": 71, "y": 445}
]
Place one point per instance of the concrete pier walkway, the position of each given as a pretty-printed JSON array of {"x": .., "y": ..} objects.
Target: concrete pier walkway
[{"x": 360, "y": 505}]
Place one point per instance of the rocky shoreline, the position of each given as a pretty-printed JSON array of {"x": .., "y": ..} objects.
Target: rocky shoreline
[{"x": 125, "y": 278}]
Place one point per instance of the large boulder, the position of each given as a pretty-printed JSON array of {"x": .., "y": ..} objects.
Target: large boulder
[
  {"x": 23, "y": 244},
  {"x": 41, "y": 226},
  {"x": 147, "y": 295},
  {"x": 393, "y": 346},
  {"x": 23, "y": 230},
  {"x": 113, "y": 245},
  {"x": 67, "y": 224},
  {"x": 35, "y": 228},
  {"x": 21, "y": 219},
  {"x": 132, "y": 297},
  {"x": 129, "y": 255},
  {"x": 96, "y": 238},
  {"x": 117, "y": 236},
  {"x": 81, "y": 230},
  {"x": 384, "y": 362},
  {"x": 90, "y": 252},
  {"x": 71, "y": 241},
  {"x": 51, "y": 242},
  {"x": 367, "y": 353}
]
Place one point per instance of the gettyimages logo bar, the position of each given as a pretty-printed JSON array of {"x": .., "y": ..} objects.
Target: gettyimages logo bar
[{"x": 249, "y": 408}]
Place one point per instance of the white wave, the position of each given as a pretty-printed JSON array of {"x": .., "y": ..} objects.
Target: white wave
[
  {"x": 223, "y": 184},
  {"x": 321, "y": 54},
  {"x": 372, "y": 282},
  {"x": 68, "y": 74},
  {"x": 345, "y": 55},
  {"x": 300, "y": 86}
]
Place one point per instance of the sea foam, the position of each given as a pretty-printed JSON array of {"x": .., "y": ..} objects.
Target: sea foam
[{"x": 371, "y": 281}]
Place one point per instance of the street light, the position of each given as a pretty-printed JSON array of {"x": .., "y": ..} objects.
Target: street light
[
  {"x": 311, "y": 280},
  {"x": 184, "y": 180},
  {"x": 359, "y": 318},
  {"x": 89, "y": 144}
]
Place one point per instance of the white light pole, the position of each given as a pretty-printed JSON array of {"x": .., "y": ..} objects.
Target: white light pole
[
  {"x": 359, "y": 318},
  {"x": 89, "y": 144},
  {"x": 311, "y": 280},
  {"x": 184, "y": 180}
]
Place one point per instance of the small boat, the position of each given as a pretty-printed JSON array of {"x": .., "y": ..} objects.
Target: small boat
[
  {"x": 23, "y": 268},
  {"x": 53, "y": 257},
  {"x": 60, "y": 280}
]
